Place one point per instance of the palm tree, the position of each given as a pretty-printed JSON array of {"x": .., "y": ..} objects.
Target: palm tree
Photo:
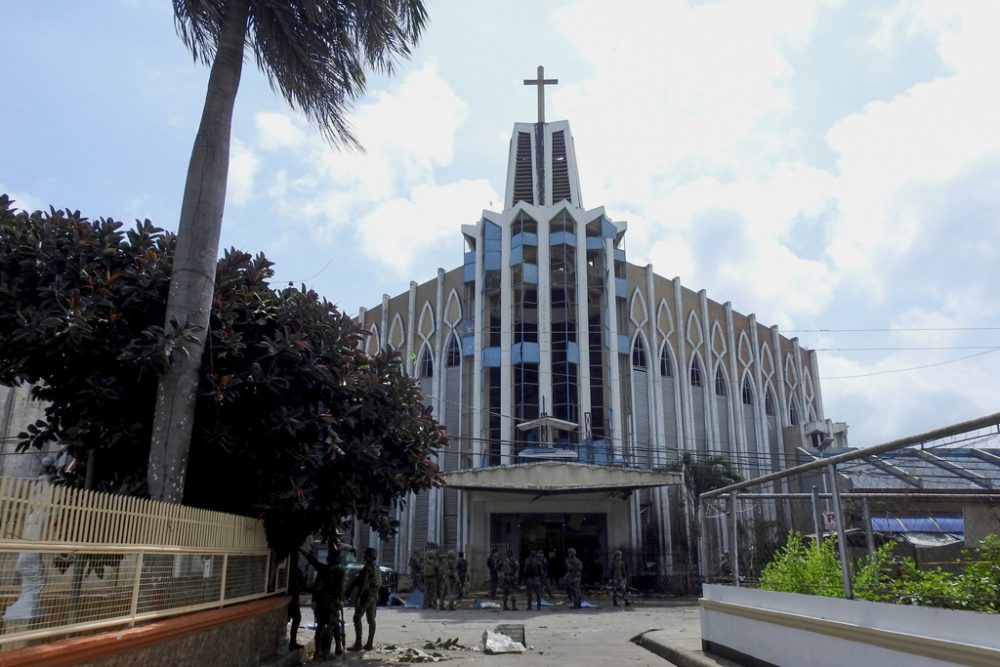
[
  {"x": 713, "y": 471},
  {"x": 315, "y": 53}
]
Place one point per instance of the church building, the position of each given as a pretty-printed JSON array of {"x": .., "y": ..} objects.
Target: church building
[{"x": 570, "y": 381}]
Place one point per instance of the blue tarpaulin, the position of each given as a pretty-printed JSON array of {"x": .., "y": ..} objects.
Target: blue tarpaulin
[{"x": 919, "y": 524}]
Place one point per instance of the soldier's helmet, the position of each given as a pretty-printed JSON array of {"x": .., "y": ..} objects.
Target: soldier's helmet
[
  {"x": 618, "y": 554},
  {"x": 451, "y": 554},
  {"x": 571, "y": 551}
]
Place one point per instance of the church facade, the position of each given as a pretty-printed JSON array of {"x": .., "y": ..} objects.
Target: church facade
[{"x": 571, "y": 382}]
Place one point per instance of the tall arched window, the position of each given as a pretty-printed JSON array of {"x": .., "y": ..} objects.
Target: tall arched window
[
  {"x": 769, "y": 408},
  {"x": 638, "y": 354},
  {"x": 720, "y": 382},
  {"x": 746, "y": 393},
  {"x": 666, "y": 370},
  {"x": 696, "y": 378},
  {"x": 793, "y": 413},
  {"x": 425, "y": 367},
  {"x": 454, "y": 355}
]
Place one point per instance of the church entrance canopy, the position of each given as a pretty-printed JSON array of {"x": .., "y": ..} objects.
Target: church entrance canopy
[{"x": 558, "y": 477}]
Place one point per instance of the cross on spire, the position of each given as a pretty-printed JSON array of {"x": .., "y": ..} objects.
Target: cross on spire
[{"x": 541, "y": 82}]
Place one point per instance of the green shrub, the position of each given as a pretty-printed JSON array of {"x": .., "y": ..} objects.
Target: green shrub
[
  {"x": 807, "y": 567},
  {"x": 798, "y": 568}
]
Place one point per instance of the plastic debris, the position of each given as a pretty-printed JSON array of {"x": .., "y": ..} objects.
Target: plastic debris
[
  {"x": 486, "y": 604},
  {"x": 494, "y": 642}
]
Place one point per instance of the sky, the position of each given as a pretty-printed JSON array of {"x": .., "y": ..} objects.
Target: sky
[{"x": 831, "y": 166}]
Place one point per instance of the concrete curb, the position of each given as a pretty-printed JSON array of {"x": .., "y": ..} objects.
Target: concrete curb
[{"x": 670, "y": 652}]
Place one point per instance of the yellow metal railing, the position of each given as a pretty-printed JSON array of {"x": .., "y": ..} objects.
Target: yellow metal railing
[{"x": 73, "y": 561}]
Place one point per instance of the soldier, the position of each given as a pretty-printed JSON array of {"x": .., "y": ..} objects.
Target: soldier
[
  {"x": 461, "y": 573},
  {"x": 533, "y": 579},
  {"x": 543, "y": 560},
  {"x": 429, "y": 575},
  {"x": 509, "y": 571},
  {"x": 574, "y": 572},
  {"x": 296, "y": 582},
  {"x": 416, "y": 584},
  {"x": 328, "y": 603},
  {"x": 368, "y": 582},
  {"x": 493, "y": 564},
  {"x": 619, "y": 580},
  {"x": 449, "y": 583}
]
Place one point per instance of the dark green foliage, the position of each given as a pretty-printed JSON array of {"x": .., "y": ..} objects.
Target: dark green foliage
[
  {"x": 705, "y": 473},
  {"x": 294, "y": 422},
  {"x": 815, "y": 569}
]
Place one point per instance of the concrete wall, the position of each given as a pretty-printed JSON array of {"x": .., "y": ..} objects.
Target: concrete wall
[
  {"x": 758, "y": 627},
  {"x": 241, "y": 635}
]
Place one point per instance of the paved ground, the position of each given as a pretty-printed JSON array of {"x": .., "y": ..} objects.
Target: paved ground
[{"x": 555, "y": 636}]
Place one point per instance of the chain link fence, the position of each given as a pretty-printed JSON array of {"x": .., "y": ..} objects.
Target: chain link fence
[
  {"x": 75, "y": 561},
  {"x": 898, "y": 520}
]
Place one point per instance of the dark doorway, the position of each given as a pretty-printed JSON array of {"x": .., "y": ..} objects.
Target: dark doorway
[{"x": 553, "y": 535}]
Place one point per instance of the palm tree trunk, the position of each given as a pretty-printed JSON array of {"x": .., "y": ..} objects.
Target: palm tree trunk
[{"x": 192, "y": 282}]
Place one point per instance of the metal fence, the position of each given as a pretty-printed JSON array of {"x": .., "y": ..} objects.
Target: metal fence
[
  {"x": 932, "y": 498},
  {"x": 73, "y": 561}
]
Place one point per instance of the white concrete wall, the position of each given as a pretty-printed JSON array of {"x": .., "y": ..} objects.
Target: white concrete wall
[
  {"x": 783, "y": 644},
  {"x": 17, "y": 410}
]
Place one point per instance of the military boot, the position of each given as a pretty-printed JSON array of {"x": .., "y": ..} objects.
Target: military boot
[{"x": 357, "y": 636}]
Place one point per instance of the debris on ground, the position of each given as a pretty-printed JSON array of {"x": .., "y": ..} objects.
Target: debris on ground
[
  {"x": 445, "y": 645},
  {"x": 494, "y": 642}
]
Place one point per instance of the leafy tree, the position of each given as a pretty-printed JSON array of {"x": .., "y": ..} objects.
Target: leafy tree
[
  {"x": 315, "y": 53},
  {"x": 704, "y": 474},
  {"x": 295, "y": 423}
]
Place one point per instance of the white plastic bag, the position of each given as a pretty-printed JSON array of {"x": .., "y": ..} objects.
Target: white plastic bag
[{"x": 494, "y": 642}]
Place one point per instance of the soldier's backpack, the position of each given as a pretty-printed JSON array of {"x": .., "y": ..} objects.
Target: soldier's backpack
[{"x": 430, "y": 568}]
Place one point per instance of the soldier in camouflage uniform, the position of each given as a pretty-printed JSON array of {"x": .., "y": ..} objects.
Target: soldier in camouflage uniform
[
  {"x": 533, "y": 579},
  {"x": 574, "y": 573},
  {"x": 415, "y": 582},
  {"x": 461, "y": 573},
  {"x": 509, "y": 571},
  {"x": 429, "y": 574},
  {"x": 449, "y": 582},
  {"x": 368, "y": 582},
  {"x": 619, "y": 580},
  {"x": 328, "y": 603}
]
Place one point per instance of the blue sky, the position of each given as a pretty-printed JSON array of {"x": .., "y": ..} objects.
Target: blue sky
[{"x": 829, "y": 166}]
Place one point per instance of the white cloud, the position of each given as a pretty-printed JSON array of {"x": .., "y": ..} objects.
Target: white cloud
[
  {"x": 420, "y": 230},
  {"x": 23, "y": 201},
  {"x": 243, "y": 167},
  {"x": 278, "y": 130},
  {"x": 407, "y": 133}
]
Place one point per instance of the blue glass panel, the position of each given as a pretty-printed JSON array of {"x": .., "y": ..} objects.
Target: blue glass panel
[
  {"x": 602, "y": 452},
  {"x": 491, "y": 357},
  {"x": 572, "y": 353},
  {"x": 530, "y": 274},
  {"x": 559, "y": 238},
  {"x": 585, "y": 452},
  {"x": 468, "y": 326},
  {"x": 524, "y": 238},
  {"x": 530, "y": 352},
  {"x": 491, "y": 261},
  {"x": 623, "y": 346},
  {"x": 491, "y": 231},
  {"x": 468, "y": 345},
  {"x": 595, "y": 243},
  {"x": 469, "y": 272},
  {"x": 516, "y": 255},
  {"x": 608, "y": 230},
  {"x": 620, "y": 254},
  {"x": 470, "y": 257},
  {"x": 621, "y": 288}
]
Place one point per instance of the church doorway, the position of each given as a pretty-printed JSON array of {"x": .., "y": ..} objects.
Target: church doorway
[{"x": 553, "y": 535}]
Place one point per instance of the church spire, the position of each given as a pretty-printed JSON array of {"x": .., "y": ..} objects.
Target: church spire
[
  {"x": 541, "y": 82},
  {"x": 542, "y": 164}
]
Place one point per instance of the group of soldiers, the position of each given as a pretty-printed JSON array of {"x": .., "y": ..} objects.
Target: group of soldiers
[
  {"x": 441, "y": 576},
  {"x": 328, "y": 594},
  {"x": 504, "y": 571}
]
